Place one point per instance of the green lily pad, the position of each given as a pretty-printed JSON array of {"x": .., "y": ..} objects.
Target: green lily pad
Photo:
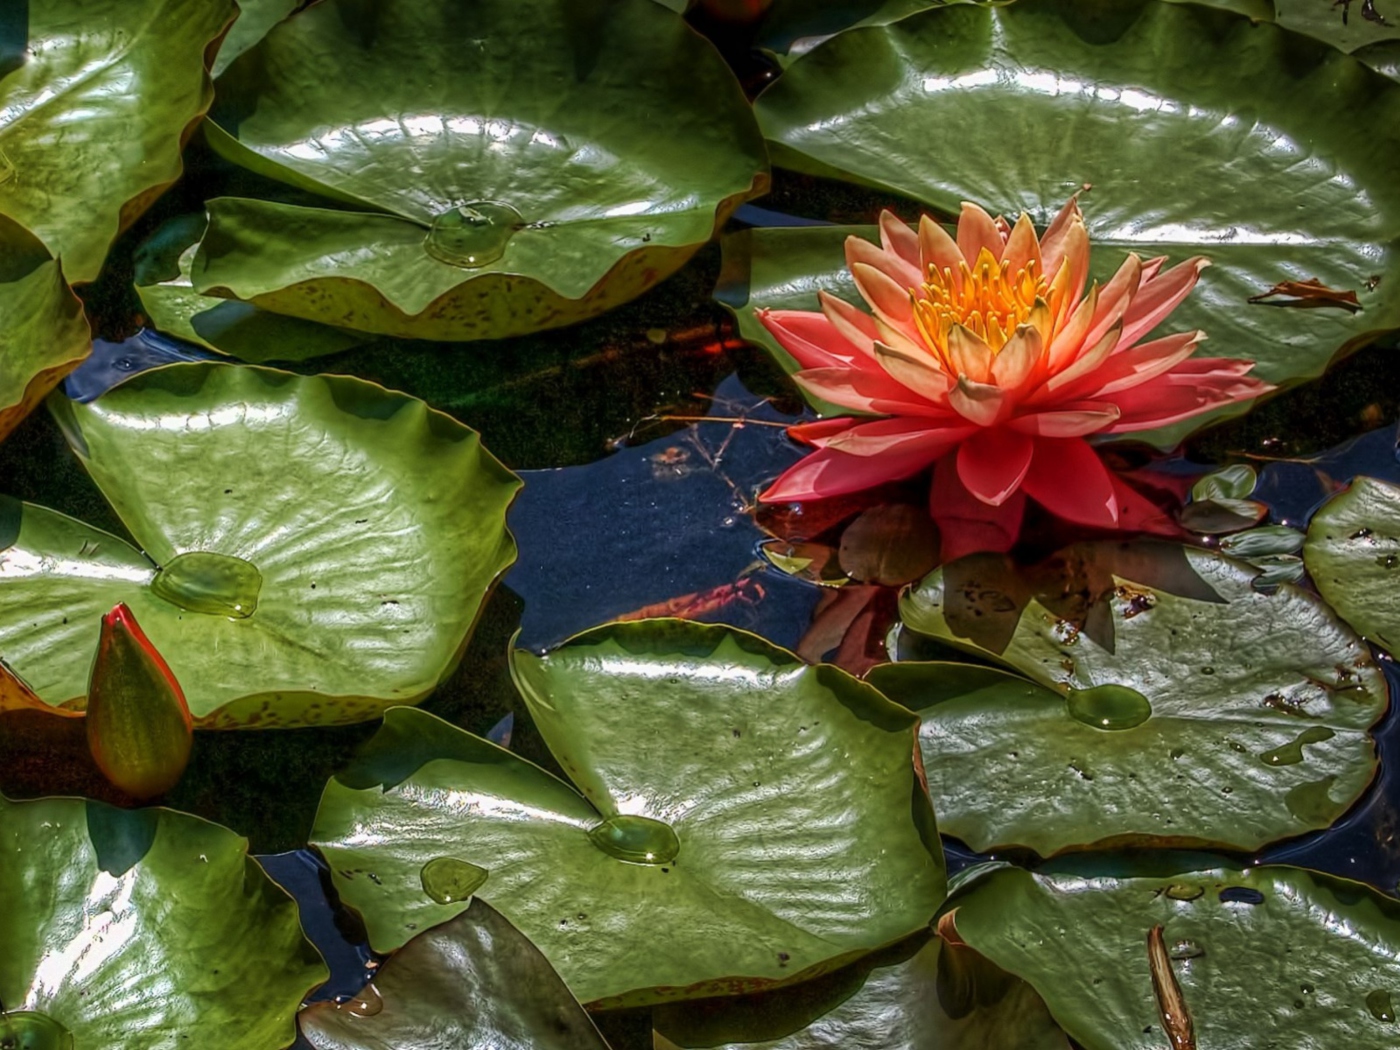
[
  {"x": 737, "y": 819},
  {"x": 255, "y": 19},
  {"x": 1183, "y": 119},
  {"x": 92, "y": 121},
  {"x": 1169, "y": 702},
  {"x": 473, "y": 981},
  {"x": 1270, "y": 956},
  {"x": 143, "y": 929},
  {"x": 1352, "y": 553},
  {"x": 540, "y": 190},
  {"x": 907, "y": 997},
  {"x": 316, "y": 549},
  {"x": 45, "y": 335},
  {"x": 240, "y": 329}
]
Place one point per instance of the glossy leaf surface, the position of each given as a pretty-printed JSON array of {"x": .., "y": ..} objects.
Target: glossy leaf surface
[
  {"x": 1270, "y": 955},
  {"x": 537, "y": 191},
  {"x": 912, "y": 996},
  {"x": 92, "y": 121},
  {"x": 316, "y": 548},
  {"x": 1219, "y": 160},
  {"x": 45, "y": 335},
  {"x": 1168, "y": 702},
  {"x": 473, "y": 981},
  {"x": 1353, "y": 551},
  {"x": 255, "y": 19},
  {"x": 144, "y": 930},
  {"x": 737, "y": 819},
  {"x": 138, "y": 723},
  {"x": 1343, "y": 25},
  {"x": 230, "y": 327}
]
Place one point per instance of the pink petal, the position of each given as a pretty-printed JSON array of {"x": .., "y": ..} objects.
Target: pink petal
[
  {"x": 889, "y": 300},
  {"x": 899, "y": 240},
  {"x": 939, "y": 251},
  {"x": 1068, "y": 479},
  {"x": 914, "y": 370},
  {"x": 1181, "y": 394},
  {"x": 852, "y": 323},
  {"x": 1022, "y": 247},
  {"x": 980, "y": 403},
  {"x": 882, "y": 437},
  {"x": 1143, "y": 363},
  {"x": 1017, "y": 359},
  {"x": 867, "y": 390},
  {"x": 992, "y": 462},
  {"x": 968, "y": 354},
  {"x": 831, "y": 472},
  {"x": 966, "y": 524},
  {"x": 1115, "y": 298},
  {"x": 904, "y": 274},
  {"x": 1071, "y": 378},
  {"x": 1074, "y": 419},
  {"x": 978, "y": 230},
  {"x": 815, "y": 432},
  {"x": 1160, "y": 296},
  {"x": 1065, "y": 346},
  {"x": 809, "y": 337},
  {"x": 1052, "y": 244}
]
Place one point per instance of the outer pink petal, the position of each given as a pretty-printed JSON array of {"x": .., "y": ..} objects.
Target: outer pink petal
[
  {"x": 899, "y": 240},
  {"x": 882, "y": 437},
  {"x": 904, "y": 274},
  {"x": 809, "y": 337},
  {"x": 992, "y": 462},
  {"x": 1052, "y": 244},
  {"x": 831, "y": 472},
  {"x": 1160, "y": 296},
  {"x": 1074, "y": 419},
  {"x": 1068, "y": 479},
  {"x": 1141, "y": 364},
  {"x": 1022, "y": 246},
  {"x": 853, "y": 324},
  {"x": 889, "y": 299},
  {"x": 817, "y": 431},
  {"x": 1181, "y": 394},
  {"x": 867, "y": 390},
  {"x": 965, "y": 523},
  {"x": 1069, "y": 340},
  {"x": 1115, "y": 297},
  {"x": 1072, "y": 378}
]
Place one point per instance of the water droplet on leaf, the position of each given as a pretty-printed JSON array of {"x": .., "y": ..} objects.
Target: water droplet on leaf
[
  {"x": 1382, "y": 1009},
  {"x": 472, "y": 235},
  {"x": 448, "y": 880},
  {"x": 1110, "y": 707},
  {"x": 368, "y": 1003},
  {"x": 639, "y": 840},
  {"x": 214, "y": 584},
  {"x": 1311, "y": 802}
]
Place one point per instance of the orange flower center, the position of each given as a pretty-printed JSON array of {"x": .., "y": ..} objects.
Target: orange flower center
[{"x": 987, "y": 299}]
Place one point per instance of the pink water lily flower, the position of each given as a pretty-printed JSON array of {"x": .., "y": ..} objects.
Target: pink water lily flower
[{"x": 984, "y": 354}]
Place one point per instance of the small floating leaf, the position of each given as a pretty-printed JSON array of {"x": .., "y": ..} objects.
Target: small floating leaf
[{"x": 139, "y": 727}]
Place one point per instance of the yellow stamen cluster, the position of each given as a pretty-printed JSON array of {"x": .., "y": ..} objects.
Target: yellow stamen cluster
[{"x": 985, "y": 299}]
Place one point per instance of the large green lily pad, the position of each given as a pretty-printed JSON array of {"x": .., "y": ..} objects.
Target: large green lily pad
[
  {"x": 45, "y": 335},
  {"x": 473, "y": 981},
  {"x": 255, "y": 19},
  {"x": 1183, "y": 119},
  {"x": 1169, "y": 702},
  {"x": 316, "y": 548},
  {"x": 501, "y": 167},
  {"x": 162, "y": 271},
  {"x": 737, "y": 819},
  {"x": 93, "y": 119},
  {"x": 912, "y": 996},
  {"x": 1326, "y": 22},
  {"x": 1266, "y": 957},
  {"x": 142, "y": 930},
  {"x": 1353, "y": 551}
]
